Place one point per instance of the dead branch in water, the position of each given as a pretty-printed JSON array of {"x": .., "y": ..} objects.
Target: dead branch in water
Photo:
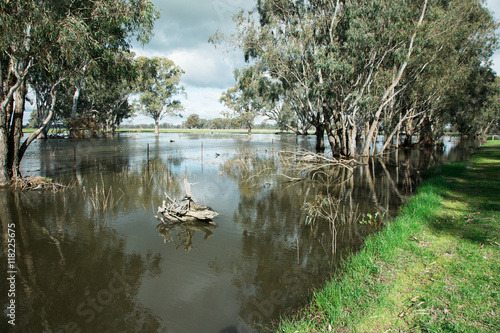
[
  {"x": 307, "y": 164},
  {"x": 36, "y": 183},
  {"x": 314, "y": 160},
  {"x": 185, "y": 210}
]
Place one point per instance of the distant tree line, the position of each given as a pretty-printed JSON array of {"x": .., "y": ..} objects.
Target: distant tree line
[
  {"x": 353, "y": 69},
  {"x": 194, "y": 121}
]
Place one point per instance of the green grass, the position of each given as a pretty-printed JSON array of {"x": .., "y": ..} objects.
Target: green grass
[
  {"x": 52, "y": 131},
  {"x": 435, "y": 268}
]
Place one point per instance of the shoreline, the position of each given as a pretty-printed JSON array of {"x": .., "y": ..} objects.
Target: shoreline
[{"x": 433, "y": 268}]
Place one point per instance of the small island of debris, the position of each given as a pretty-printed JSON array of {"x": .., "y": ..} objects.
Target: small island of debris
[{"x": 185, "y": 210}]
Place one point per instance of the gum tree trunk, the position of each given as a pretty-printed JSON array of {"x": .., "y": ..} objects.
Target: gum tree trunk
[
  {"x": 16, "y": 131},
  {"x": 320, "y": 138},
  {"x": 389, "y": 93},
  {"x": 157, "y": 126}
]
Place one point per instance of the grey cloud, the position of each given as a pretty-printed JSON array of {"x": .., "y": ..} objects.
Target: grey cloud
[
  {"x": 184, "y": 24},
  {"x": 182, "y": 34}
]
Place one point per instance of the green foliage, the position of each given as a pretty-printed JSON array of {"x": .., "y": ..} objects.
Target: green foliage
[
  {"x": 193, "y": 121},
  {"x": 373, "y": 220},
  {"x": 348, "y": 66},
  {"x": 158, "y": 85},
  {"x": 104, "y": 96},
  {"x": 434, "y": 268},
  {"x": 50, "y": 42},
  {"x": 245, "y": 100}
]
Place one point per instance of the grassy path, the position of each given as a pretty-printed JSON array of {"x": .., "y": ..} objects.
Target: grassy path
[{"x": 435, "y": 268}]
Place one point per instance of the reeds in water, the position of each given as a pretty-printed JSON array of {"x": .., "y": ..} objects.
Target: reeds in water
[{"x": 103, "y": 199}]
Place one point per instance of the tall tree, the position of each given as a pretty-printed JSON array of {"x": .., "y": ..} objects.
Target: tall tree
[
  {"x": 159, "y": 85},
  {"x": 347, "y": 64},
  {"x": 104, "y": 99},
  {"x": 245, "y": 100},
  {"x": 193, "y": 121},
  {"x": 52, "y": 37}
]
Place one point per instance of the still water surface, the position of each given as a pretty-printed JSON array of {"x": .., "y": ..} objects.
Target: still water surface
[{"x": 93, "y": 258}]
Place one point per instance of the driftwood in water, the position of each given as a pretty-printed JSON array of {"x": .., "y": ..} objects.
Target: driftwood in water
[{"x": 185, "y": 210}]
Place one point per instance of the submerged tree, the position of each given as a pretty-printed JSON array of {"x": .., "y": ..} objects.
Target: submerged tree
[
  {"x": 50, "y": 38},
  {"x": 159, "y": 85},
  {"x": 358, "y": 67}
]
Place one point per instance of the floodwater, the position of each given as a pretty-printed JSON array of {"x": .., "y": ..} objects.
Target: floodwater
[{"x": 93, "y": 258}]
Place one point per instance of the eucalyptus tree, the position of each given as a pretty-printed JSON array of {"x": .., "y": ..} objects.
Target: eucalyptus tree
[
  {"x": 52, "y": 37},
  {"x": 193, "y": 121},
  {"x": 476, "y": 110},
  {"x": 280, "y": 105},
  {"x": 105, "y": 95},
  {"x": 280, "y": 47},
  {"x": 159, "y": 85},
  {"x": 110, "y": 24},
  {"x": 458, "y": 41},
  {"x": 491, "y": 111},
  {"x": 245, "y": 100},
  {"x": 348, "y": 64}
]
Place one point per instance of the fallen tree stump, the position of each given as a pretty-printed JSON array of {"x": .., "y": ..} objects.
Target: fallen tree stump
[{"x": 185, "y": 210}]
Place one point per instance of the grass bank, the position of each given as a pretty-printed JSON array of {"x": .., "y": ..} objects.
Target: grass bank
[{"x": 435, "y": 268}]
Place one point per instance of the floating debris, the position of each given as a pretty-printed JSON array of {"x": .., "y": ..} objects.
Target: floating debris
[{"x": 35, "y": 183}]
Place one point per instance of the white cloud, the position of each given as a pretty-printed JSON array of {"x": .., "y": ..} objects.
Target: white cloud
[
  {"x": 204, "y": 67},
  {"x": 182, "y": 34},
  {"x": 204, "y": 102}
]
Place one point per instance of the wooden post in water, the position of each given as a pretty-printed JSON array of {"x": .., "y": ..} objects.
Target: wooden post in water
[
  {"x": 148, "y": 156},
  {"x": 202, "y": 157}
]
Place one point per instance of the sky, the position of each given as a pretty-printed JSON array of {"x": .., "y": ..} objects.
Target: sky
[
  {"x": 494, "y": 6},
  {"x": 182, "y": 34}
]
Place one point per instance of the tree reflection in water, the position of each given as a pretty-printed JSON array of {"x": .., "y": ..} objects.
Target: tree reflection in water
[
  {"x": 271, "y": 213},
  {"x": 72, "y": 275},
  {"x": 265, "y": 259},
  {"x": 183, "y": 233}
]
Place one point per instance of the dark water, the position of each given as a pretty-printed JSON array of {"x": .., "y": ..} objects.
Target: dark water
[{"x": 93, "y": 259}]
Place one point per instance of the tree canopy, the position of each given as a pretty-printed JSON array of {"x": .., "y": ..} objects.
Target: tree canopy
[
  {"x": 47, "y": 43},
  {"x": 158, "y": 85},
  {"x": 354, "y": 68}
]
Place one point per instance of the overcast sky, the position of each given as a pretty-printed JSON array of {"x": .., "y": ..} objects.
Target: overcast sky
[{"x": 182, "y": 34}]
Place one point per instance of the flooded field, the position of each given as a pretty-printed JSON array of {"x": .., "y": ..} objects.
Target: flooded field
[{"x": 93, "y": 258}]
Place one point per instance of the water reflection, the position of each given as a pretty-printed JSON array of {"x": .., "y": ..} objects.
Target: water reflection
[
  {"x": 75, "y": 247},
  {"x": 181, "y": 234},
  {"x": 72, "y": 276}
]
